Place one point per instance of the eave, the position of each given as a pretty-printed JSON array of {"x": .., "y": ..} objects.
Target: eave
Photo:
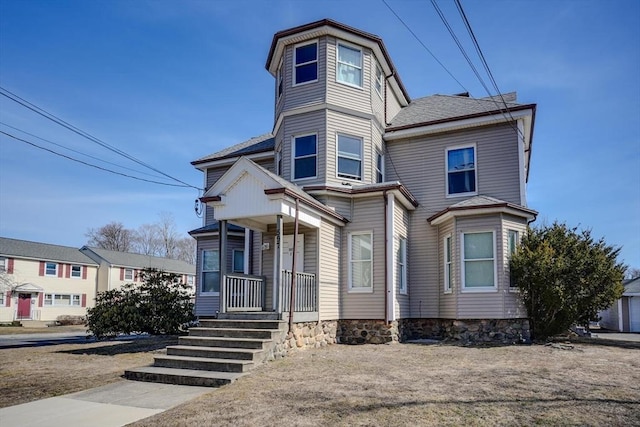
[
  {"x": 494, "y": 208},
  {"x": 399, "y": 190}
]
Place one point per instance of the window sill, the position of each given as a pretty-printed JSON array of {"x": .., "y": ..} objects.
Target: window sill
[
  {"x": 514, "y": 290},
  {"x": 479, "y": 290},
  {"x": 455, "y": 195},
  {"x": 404, "y": 293},
  {"x": 209, "y": 294},
  {"x": 349, "y": 85},
  {"x": 360, "y": 291},
  {"x": 304, "y": 83},
  {"x": 447, "y": 292}
]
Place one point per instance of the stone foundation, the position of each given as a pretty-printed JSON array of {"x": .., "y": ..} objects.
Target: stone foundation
[
  {"x": 468, "y": 331},
  {"x": 306, "y": 335},
  {"x": 367, "y": 332}
]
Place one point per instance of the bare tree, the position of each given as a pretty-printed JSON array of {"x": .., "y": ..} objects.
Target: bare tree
[
  {"x": 168, "y": 235},
  {"x": 147, "y": 240},
  {"x": 186, "y": 250},
  {"x": 112, "y": 236},
  {"x": 632, "y": 273}
]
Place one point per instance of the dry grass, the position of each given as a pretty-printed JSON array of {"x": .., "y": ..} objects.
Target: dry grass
[
  {"x": 408, "y": 385},
  {"x": 33, "y": 373},
  {"x": 19, "y": 330}
]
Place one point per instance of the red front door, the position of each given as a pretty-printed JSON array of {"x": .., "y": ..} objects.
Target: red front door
[{"x": 24, "y": 306}]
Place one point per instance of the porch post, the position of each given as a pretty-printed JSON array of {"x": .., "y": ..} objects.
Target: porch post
[
  {"x": 277, "y": 280},
  {"x": 223, "y": 264}
]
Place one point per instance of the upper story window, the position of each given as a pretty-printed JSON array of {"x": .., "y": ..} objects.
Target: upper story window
[
  {"x": 378, "y": 81},
  {"x": 3, "y": 265},
  {"x": 128, "y": 274},
  {"x": 210, "y": 272},
  {"x": 76, "y": 271},
  {"x": 361, "y": 262},
  {"x": 349, "y": 65},
  {"x": 379, "y": 167},
  {"x": 349, "y": 157},
  {"x": 279, "y": 82},
  {"x": 305, "y": 63},
  {"x": 478, "y": 261},
  {"x": 461, "y": 170},
  {"x": 305, "y": 150},
  {"x": 51, "y": 269}
]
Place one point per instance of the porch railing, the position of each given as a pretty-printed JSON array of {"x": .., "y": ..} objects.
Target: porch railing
[
  {"x": 306, "y": 292},
  {"x": 243, "y": 292}
]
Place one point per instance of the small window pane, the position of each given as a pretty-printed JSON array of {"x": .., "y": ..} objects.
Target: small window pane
[
  {"x": 238, "y": 261},
  {"x": 128, "y": 274},
  {"x": 211, "y": 281},
  {"x": 349, "y": 145},
  {"x": 76, "y": 271},
  {"x": 478, "y": 246},
  {"x": 361, "y": 247},
  {"x": 361, "y": 274},
  {"x": 349, "y": 168},
  {"x": 76, "y": 300},
  {"x": 305, "y": 145},
  {"x": 51, "y": 269},
  {"x": 211, "y": 261},
  {"x": 349, "y": 56},
  {"x": 305, "y": 167},
  {"x": 306, "y": 73},
  {"x": 306, "y": 53},
  {"x": 462, "y": 159},
  {"x": 462, "y": 182},
  {"x": 478, "y": 274},
  {"x": 62, "y": 300},
  {"x": 48, "y": 299}
]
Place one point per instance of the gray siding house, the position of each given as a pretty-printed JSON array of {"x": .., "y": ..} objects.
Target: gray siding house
[{"x": 390, "y": 217}]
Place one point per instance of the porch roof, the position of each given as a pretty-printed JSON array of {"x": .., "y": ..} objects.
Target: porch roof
[{"x": 250, "y": 196}]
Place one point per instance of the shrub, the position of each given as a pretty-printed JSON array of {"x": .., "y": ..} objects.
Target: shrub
[
  {"x": 66, "y": 320},
  {"x": 159, "y": 305},
  {"x": 565, "y": 277}
]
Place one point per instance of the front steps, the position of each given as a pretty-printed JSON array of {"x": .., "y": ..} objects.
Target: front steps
[{"x": 217, "y": 352}]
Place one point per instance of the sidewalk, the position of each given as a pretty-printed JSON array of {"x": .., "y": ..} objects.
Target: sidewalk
[{"x": 112, "y": 405}]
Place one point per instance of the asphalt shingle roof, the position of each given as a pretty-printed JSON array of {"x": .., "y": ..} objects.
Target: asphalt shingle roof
[
  {"x": 42, "y": 251},
  {"x": 127, "y": 259},
  {"x": 213, "y": 227},
  {"x": 254, "y": 145},
  {"x": 632, "y": 285},
  {"x": 443, "y": 107}
]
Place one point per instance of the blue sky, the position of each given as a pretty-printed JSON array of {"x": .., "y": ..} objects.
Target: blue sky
[{"x": 169, "y": 82}]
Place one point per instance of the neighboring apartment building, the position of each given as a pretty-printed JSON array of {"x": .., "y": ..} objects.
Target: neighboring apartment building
[
  {"x": 118, "y": 268},
  {"x": 43, "y": 281},
  {"x": 406, "y": 210}
]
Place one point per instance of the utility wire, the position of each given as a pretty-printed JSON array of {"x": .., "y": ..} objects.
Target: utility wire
[
  {"x": 8, "y": 94},
  {"x": 76, "y": 151},
  {"x": 90, "y": 164}
]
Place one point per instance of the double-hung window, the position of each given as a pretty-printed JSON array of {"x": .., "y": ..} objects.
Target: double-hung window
[
  {"x": 76, "y": 271},
  {"x": 512, "y": 242},
  {"x": 3, "y": 265},
  {"x": 349, "y": 157},
  {"x": 349, "y": 65},
  {"x": 128, "y": 274},
  {"x": 378, "y": 80},
  {"x": 51, "y": 269},
  {"x": 478, "y": 261},
  {"x": 279, "y": 82},
  {"x": 210, "y": 272},
  {"x": 305, "y": 63},
  {"x": 238, "y": 261},
  {"x": 361, "y": 262},
  {"x": 461, "y": 170},
  {"x": 401, "y": 260},
  {"x": 379, "y": 167},
  {"x": 447, "y": 264},
  {"x": 305, "y": 151}
]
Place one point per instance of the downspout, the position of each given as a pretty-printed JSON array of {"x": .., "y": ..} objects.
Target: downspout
[
  {"x": 293, "y": 268},
  {"x": 389, "y": 308}
]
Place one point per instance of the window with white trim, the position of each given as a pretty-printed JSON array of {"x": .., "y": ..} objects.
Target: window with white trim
[
  {"x": 305, "y": 63},
  {"x": 210, "y": 272},
  {"x": 51, "y": 269},
  {"x": 305, "y": 151},
  {"x": 349, "y": 65},
  {"x": 279, "y": 82},
  {"x": 447, "y": 263},
  {"x": 238, "y": 261},
  {"x": 128, "y": 274},
  {"x": 461, "y": 170},
  {"x": 478, "y": 261},
  {"x": 279, "y": 161},
  {"x": 3, "y": 264},
  {"x": 379, "y": 167},
  {"x": 76, "y": 271},
  {"x": 512, "y": 245},
  {"x": 2, "y": 302},
  {"x": 361, "y": 262},
  {"x": 60, "y": 300},
  {"x": 401, "y": 260},
  {"x": 349, "y": 157},
  {"x": 378, "y": 80}
]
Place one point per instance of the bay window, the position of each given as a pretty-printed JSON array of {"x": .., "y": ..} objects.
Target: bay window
[
  {"x": 360, "y": 262},
  {"x": 349, "y": 157},
  {"x": 349, "y": 65},
  {"x": 478, "y": 261}
]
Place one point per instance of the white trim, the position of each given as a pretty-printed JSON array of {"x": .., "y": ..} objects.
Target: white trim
[
  {"x": 447, "y": 271},
  {"x": 374, "y": 80},
  {"x": 493, "y": 288},
  {"x": 293, "y": 157},
  {"x": 620, "y": 318},
  {"x": 202, "y": 271},
  {"x": 55, "y": 274},
  {"x": 446, "y": 170},
  {"x": 454, "y": 124},
  {"x": 361, "y": 68},
  {"x": 521, "y": 164},
  {"x": 403, "y": 261},
  {"x": 247, "y": 249},
  {"x": 338, "y": 134},
  {"x": 351, "y": 289},
  {"x": 71, "y": 271},
  {"x": 279, "y": 83},
  {"x": 72, "y": 298},
  {"x": 133, "y": 274},
  {"x": 294, "y": 83},
  {"x": 390, "y": 261}
]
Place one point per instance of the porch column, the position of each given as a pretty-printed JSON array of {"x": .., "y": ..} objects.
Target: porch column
[
  {"x": 277, "y": 279},
  {"x": 222, "y": 253}
]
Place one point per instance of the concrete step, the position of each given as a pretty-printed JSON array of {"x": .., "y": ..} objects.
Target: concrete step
[
  {"x": 202, "y": 364},
  {"x": 181, "y": 376},
  {"x": 267, "y": 334},
  {"x": 213, "y": 352},
  {"x": 242, "y": 323},
  {"x": 200, "y": 341},
  {"x": 250, "y": 315}
]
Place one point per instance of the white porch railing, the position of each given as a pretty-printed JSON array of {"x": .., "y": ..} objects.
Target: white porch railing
[
  {"x": 243, "y": 292},
  {"x": 306, "y": 292},
  {"x": 34, "y": 315}
]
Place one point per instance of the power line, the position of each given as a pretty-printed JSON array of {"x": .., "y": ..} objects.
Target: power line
[
  {"x": 90, "y": 164},
  {"x": 75, "y": 151},
  {"x": 15, "y": 98}
]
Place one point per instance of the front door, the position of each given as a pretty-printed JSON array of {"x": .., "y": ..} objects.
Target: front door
[
  {"x": 287, "y": 258},
  {"x": 24, "y": 306}
]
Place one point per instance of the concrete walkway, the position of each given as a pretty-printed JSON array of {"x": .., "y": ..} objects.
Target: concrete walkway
[{"x": 112, "y": 405}]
